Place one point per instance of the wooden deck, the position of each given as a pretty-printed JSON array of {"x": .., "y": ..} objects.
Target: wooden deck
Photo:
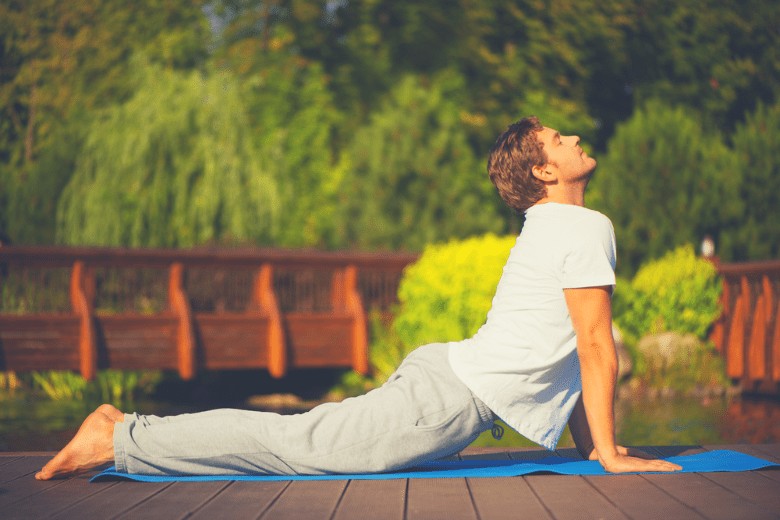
[{"x": 753, "y": 495}]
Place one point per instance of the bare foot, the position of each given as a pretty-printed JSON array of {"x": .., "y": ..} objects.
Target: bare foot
[{"x": 92, "y": 446}]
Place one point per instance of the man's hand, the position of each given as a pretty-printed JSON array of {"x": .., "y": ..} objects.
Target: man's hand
[
  {"x": 632, "y": 459},
  {"x": 623, "y": 463}
]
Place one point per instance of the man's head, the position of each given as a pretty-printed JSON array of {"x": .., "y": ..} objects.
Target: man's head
[{"x": 529, "y": 160}]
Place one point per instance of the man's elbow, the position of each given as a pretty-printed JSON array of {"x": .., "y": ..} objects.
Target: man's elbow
[{"x": 594, "y": 350}]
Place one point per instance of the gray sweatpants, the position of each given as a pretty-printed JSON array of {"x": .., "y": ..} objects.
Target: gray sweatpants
[{"x": 423, "y": 412}]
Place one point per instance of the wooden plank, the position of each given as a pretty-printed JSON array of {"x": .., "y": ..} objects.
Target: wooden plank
[
  {"x": 113, "y": 499},
  {"x": 751, "y": 486},
  {"x": 308, "y": 499},
  {"x": 18, "y": 482},
  {"x": 133, "y": 341},
  {"x": 52, "y": 499},
  {"x": 39, "y": 342},
  {"x": 707, "y": 497},
  {"x": 242, "y": 500},
  {"x": 770, "y": 451},
  {"x": 434, "y": 499},
  {"x": 567, "y": 496},
  {"x": 318, "y": 340},
  {"x": 20, "y": 467},
  {"x": 5, "y": 459},
  {"x": 505, "y": 498},
  {"x": 637, "y": 499},
  {"x": 374, "y": 499},
  {"x": 232, "y": 341},
  {"x": 176, "y": 501}
]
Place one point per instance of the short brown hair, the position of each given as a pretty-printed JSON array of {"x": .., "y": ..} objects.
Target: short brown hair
[{"x": 511, "y": 161}]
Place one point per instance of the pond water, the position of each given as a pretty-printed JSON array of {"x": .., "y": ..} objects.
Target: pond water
[{"x": 42, "y": 425}]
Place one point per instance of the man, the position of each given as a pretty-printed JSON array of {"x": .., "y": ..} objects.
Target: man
[{"x": 544, "y": 357}]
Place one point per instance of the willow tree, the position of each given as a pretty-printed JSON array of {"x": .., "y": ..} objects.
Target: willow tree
[{"x": 175, "y": 165}]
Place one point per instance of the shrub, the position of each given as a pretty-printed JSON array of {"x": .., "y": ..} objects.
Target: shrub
[
  {"x": 678, "y": 292},
  {"x": 446, "y": 294}
]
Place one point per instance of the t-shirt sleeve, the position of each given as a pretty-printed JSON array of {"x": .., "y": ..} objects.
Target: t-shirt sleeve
[{"x": 590, "y": 258}]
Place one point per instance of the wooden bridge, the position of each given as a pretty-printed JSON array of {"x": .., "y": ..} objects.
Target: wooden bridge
[{"x": 85, "y": 309}]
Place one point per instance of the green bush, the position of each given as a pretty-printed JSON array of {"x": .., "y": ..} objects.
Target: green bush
[
  {"x": 447, "y": 293},
  {"x": 678, "y": 293}
]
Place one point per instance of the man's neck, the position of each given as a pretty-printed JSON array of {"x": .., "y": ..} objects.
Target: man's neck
[{"x": 574, "y": 195}]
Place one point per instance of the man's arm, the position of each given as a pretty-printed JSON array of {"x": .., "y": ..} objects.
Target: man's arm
[{"x": 591, "y": 314}]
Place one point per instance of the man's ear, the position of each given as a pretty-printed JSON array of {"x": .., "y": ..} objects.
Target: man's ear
[{"x": 543, "y": 173}]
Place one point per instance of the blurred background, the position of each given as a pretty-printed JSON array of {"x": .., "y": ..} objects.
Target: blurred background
[{"x": 365, "y": 125}]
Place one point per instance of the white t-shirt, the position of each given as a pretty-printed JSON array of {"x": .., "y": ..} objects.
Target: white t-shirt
[{"x": 523, "y": 361}]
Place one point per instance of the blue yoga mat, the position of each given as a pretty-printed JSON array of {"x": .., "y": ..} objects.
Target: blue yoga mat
[{"x": 709, "y": 461}]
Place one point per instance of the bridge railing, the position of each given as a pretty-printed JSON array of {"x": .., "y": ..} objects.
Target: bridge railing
[
  {"x": 748, "y": 332},
  {"x": 189, "y": 310},
  {"x": 88, "y": 308}
]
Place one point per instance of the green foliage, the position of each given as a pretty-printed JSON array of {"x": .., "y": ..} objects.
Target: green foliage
[
  {"x": 60, "y": 60},
  {"x": 109, "y": 386},
  {"x": 446, "y": 294},
  {"x": 664, "y": 182},
  {"x": 291, "y": 112},
  {"x": 756, "y": 235},
  {"x": 413, "y": 177},
  {"x": 193, "y": 175},
  {"x": 679, "y": 292},
  {"x": 342, "y": 104},
  {"x": 717, "y": 57}
]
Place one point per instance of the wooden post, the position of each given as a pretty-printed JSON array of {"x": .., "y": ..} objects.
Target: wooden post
[
  {"x": 354, "y": 306},
  {"x": 718, "y": 334},
  {"x": 756, "y": 346},
  {"x": 337, "y": 293},
  {"x": 735, "y": 347},
  {"x": 180, "y": 305},
  {"x": 776, "y": 349},
  {"x": 265, "y": 297},
  {"x": 82, "y": 306}
]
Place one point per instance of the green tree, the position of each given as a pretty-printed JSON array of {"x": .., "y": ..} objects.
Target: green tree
[
  {"x": 413, "y": 177},
  {"x": 59, "y": 61},
  {"x": 755, "y": 143},
  {"x": 665, "y": 182},
  {"x": 176, "y": 165},
  {"x": 714, "y": 56}
]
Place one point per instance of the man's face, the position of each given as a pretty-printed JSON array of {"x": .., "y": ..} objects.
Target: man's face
[{"x": 565, "y": 155}]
